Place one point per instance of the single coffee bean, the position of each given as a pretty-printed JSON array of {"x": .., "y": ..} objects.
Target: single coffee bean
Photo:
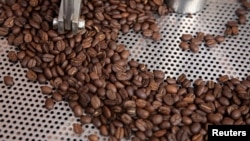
[
  {"x": 95, "y": 102},
  {"x": 215, "y": 117},
  {"x": 195, "y": 128},
  {"x": 175, "y": 119},
  {"x": 220, "y": 38},
  {"x": 227, "y": 121},
  {"x": 77, "y": 128},
  {"x": 49, "y": 104},
  {"x": 85, "y": 119},
  {"x": 142, "y": 113},
  {"x": 184, "y": 45},
  {"x": 186, "y": 37},
  {"x": 8, "y": 80},
  {"x": 4, "y": 31},
  {"x": 194, "y": 47},
  {"x": 223, "y": 78},
  {"x": 12, "y": 56},
  {"x": 93, "y": 137},
  {"x": 31, "y": 75},
  {"x": 104, "y": 130},
  {"x": 57, "y": 96},
  {"x": 236, "y": 114},
  {"x": 46, "y": 90},
  {"x": 141, "y": 125},
  {"x": 211, "y": 43},
  {"x": 157, "y": 119},
  {"x": 173, "y": 89},
  {"x": 78, "y": 111},
  {"x": 147, "y": 33},
  {"x": 125, "y": 118},
  {"x": 186, "y": 120},
  {"x": 235, "y": 30}
]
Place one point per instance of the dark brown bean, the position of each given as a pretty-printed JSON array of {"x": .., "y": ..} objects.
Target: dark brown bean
[
  {"x": 49, "y": 104},
  {"x": 77, "y": 128},
  {"x": 8, "y": 80}
]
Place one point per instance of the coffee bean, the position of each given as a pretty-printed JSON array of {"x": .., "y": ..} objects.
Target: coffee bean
[
  {"x": 95, "y": 102},
  {"x": 4, "y": 31},
  {"x": 194, "y": 47},
  {"x": 147, "y": 33},
  {"x": 8, "y": 80},
  {"x": 215, "y": 117},
  {"x": 77, "y": 128},
  {"x": 104, "y": 130},
  {"x": 236, "y": 114},
  {"x": 57, "y": 96},
  {"x": 12, "y": 56},
  {"x": 235, "y": 30},
  {"x": 211, "y": 43},
  {"x": 49, "y": 104},
  {"x": 186, "y": 37},
  {"x": 78, "y": 111},
  {"x": 195, "y": 128},
  {"x": 46, "y": 90},
  {"x": 93, "y": 137},
  {"x": 142, "y": 113},
  {"x": 184, "y": 45},
  {"x": 227, "y": 121},
  {"x": 173, "y": 89},
  {"x": 175, "y": 119},
  {"x": 220, "y": 38},
  {"x": 157, "y": 119},
  {"x": 141, "y": 125},
  {"x": 31, "y": 75}
]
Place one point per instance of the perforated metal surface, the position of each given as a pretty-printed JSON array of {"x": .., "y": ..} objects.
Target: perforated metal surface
[{"x": 23, "y": 116}]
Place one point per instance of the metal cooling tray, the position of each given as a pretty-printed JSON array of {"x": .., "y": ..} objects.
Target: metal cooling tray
[{"x": 23, "y": 116}]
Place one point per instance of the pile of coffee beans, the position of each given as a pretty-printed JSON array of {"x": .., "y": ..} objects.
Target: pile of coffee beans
[
  {"x": 210, "y": 41},
  {"x": 119, "y": 96}
]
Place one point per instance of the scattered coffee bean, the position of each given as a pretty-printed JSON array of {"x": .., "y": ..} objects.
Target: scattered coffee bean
[
  {"x": 77, "y": 128},
  {"x": 8, "y": 80},
  {"x": 12, "y": 56},
  {"x": 49, "y": 103},
  {"x": 93, "y": 137}
]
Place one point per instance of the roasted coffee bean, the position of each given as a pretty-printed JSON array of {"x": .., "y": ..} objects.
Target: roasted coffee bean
[
  {"x": 49, "y": 103},
  {"x": 57, "y": 96},
  {"x": 195, "y": 128},
  {"x": 46, "y": 90},
  {"x": 173, "y": 89},
  {"x": 157, "y": 119},
  {"x": 184, "y": 45},
  {"x": 215, "y": 117},
  {"x": 220, "y": 38},
  {"x": 235, "y": 30},
  {"x": 194, "y": 47},
  {"x": 141, "y": 125},
  {"x": 78, "y": 111},
  {"x": 95, "y": 102},
  {"x": 236, "y": 114},
  {"x": 4, "y": 31},
  {"x": 93, "y": 137},
  {"x": 186, "y": 37},
  {"x": 85, "y": 119},
  {"x": 77, "y": 128},
  {"x": 142, "y": 113},
  {"x": 211, "y": 43},
  {"x": 227, "y": 121},
  {"x": 8, "y": 80},
  {"x": 175, "y": 119},
  {"x": 12, "y": 56},
  {"x": 31, "y": 75}
]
